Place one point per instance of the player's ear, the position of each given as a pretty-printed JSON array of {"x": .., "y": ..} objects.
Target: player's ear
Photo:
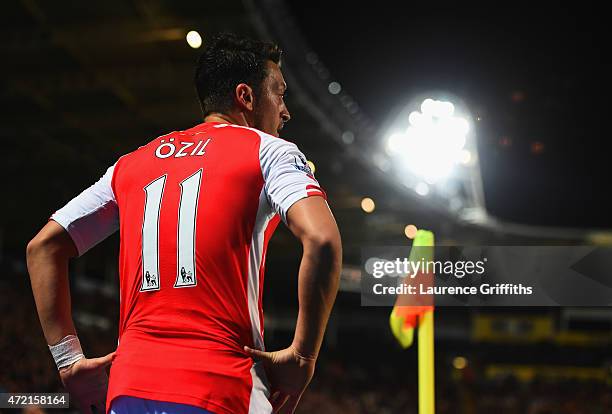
[{"x": 245, "y": 97}]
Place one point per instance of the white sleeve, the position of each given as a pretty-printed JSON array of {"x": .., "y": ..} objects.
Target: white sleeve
[
  {"x": 91, "y": 216},
  {"x": 287, "y": 176}
]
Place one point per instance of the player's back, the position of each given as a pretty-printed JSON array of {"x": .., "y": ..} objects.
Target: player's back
[{"x": 194, "y": 225}]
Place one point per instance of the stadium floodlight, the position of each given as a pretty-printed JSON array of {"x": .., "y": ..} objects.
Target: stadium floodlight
[
  {"x": 422, "y": 189},
  {"x": 433, "y": 142},
  {"x": 466, "y": 157}
]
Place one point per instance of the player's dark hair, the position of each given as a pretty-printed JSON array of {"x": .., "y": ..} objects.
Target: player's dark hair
[{"x": 227, "y": 61}]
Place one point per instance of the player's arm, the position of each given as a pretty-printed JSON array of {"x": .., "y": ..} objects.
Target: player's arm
[
  {"x": 48, "y": 254},
  {"x": 311, "y": 221},
  {"x": 83, "y": 222}
]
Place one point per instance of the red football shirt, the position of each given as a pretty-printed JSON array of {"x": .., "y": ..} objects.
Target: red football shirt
[{"x": 196, "y": 209}]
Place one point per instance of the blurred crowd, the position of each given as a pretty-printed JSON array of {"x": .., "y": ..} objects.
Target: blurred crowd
[
  {"x": 25, "y": 361},
  {"x": 26, "y": 364},
  {"x": 340, "y": 389}
]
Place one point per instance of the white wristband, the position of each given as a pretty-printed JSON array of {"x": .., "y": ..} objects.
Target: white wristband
[{"x": 67, "y": 351}]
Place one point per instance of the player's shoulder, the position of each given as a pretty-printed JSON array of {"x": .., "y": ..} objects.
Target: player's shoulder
[
  {"x": 270, "y": 146},
  {"x": 273, "y": 145},
  {"x": 263, "y": 136}
]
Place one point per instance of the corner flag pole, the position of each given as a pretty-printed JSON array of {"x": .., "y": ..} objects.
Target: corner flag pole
[
  {"x": 416, "y": 312},
  {"x": 426, "y": 363}
]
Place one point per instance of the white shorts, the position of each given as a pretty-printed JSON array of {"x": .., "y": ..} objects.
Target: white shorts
[{"x": 132, "y": 405}]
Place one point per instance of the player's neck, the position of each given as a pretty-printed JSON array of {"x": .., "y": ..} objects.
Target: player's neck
[{"x": 236, "y": 119}]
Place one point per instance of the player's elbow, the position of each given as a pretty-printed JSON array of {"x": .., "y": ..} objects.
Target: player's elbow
[
  {"x": 35, "y": 247},
  {"x": 39, "y": 246},
  {"x": 35, "y": 251},
  {"x": 49, "y": 243}
]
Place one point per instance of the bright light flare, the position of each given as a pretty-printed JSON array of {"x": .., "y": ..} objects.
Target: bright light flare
[
  {"x": 410, "y": 231},
  {"x": 433, "y": 143},
  {"x": 194, "y": 39},
  {"x": 460, "y": 362},
  {"x": 422, "y": 189},
  {"x": 367, "y": 205},
  {"x": 466, "y": 157},
  {"x": 334, "y": 88}
]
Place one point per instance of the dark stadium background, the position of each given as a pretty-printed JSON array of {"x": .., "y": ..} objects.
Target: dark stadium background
[{"x": 85, "y": 82}]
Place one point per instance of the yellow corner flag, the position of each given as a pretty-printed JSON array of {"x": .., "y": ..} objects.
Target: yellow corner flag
[{"x": 406, "y": 312}]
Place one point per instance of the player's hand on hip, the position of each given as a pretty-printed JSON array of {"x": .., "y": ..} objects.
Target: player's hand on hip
[
  {"x": 289, "y": 374},
  {"x": 87, "y": 382}
]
